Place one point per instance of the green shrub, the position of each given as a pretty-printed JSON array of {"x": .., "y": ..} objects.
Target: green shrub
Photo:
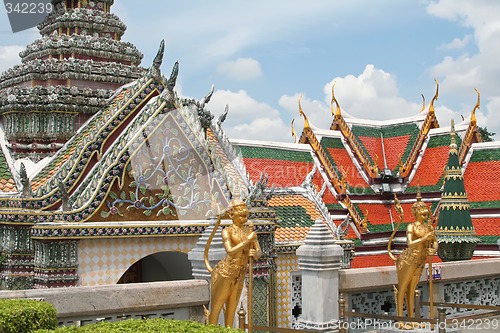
[
  {"x": 24, "y": 315},
  {"x": 157, "y": 325}
]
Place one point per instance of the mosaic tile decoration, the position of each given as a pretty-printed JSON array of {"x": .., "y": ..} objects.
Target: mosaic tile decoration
[
  {"x": 286, "y": 264},
  {"x": 7, "y": 183},
  {"x": 296, "y": 298},
  {"x": 103, "y": 261}
]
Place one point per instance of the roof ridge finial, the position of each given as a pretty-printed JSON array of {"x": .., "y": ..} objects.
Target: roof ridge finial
[
  {"x": 301, "y": 112},
  {"x": 431, "y": 106},
  {"x": 157, "y": 61},
  {"x": 419, "y": 194},
  {"x": 453, "y": 140},
  {"x": 294, "y": 135},
  {"x": 423, "y": 103},
  {"x": 335, "y": 113},
  {"x": 477, "y": 106}
]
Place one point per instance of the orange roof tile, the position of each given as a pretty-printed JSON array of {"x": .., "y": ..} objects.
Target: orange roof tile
[
  {"x": 344, "y": 162},
  {"x": 394, "y": 148},
  {"x": 431, "y": 167},
  {"x": 373, "y": 260},
  {"x": 481, "y": 181},
  {"x": 378, "y": 213},
  {"x": 378, "y": 260},
  {"x": 283, "y": 235},
  {"x": 328, "y": 197},
  {"x": 282, "y": 173},
  {"x": 374, "y": 148},
  {"x": 489, "y": 226},
  {"x": 7, "y": 185}
]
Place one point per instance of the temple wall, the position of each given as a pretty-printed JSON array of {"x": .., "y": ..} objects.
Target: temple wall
[
  {"x": 286, "y": 266},
  {"x": 103, "y": 261}
]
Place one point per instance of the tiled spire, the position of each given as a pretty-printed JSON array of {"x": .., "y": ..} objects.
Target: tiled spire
[
  {"x": 65, "y": 76},
  {"x": 455, "y": 232}
]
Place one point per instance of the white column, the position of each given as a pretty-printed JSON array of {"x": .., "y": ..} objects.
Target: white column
[
  {"x": 319, "y": 261},
  {"x": 215, "y": 254}
]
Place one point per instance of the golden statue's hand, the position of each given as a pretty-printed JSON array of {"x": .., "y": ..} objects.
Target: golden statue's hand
[
  {"x": 428, "y": 235},
  {"x": 252, "y": 236},
  {"x": 253, "y": 253},
  {"x": 431, "y": 251}
]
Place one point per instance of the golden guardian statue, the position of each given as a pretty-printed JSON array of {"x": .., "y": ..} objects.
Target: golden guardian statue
[
  {"x": 421, "y": 242},
  {"x": 228, "y": 276}
]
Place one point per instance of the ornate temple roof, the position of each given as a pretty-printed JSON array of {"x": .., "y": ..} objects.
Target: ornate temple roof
[
  {"x": 414, "y": 150},
  {"x": 65, "y": 76}
]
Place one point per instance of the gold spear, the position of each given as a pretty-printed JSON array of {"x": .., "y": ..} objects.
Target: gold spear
[{"x": 250, "y": 287}]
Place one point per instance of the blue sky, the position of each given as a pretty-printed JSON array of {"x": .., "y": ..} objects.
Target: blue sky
[{"x": 262, "y": 55}]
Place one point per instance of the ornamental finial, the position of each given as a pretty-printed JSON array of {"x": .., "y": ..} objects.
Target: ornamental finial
[
  {"x": 334, "y": 100},
  {"x": 423, "y": 103},
  {"x": 453, "y": 143},
  {"x": 294, "y": 135},
  {"x": 477, "y": 106},
  {"x": 301, "y": 112},
  {"x": 431, "y": 106}
]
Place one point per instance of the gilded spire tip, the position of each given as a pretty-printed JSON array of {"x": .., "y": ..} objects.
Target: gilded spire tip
[
  {"x": 301, "y": 112},
  {"x": 431, "y": 106},
  {"x": 334, "y": 100},
  {"x": 423, "y": 103},
  {"x": 477, "y": 106}
]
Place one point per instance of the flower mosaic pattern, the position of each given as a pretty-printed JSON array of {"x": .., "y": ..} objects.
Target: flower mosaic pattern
[{"x": 168, "y": 177}]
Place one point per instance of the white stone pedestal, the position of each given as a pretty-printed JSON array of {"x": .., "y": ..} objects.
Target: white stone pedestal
[{"x": 319, "y": 261}]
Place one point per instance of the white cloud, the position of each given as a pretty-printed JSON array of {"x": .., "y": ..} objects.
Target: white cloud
[
  {"x": 263, "y": 129},
  {"x": 482, "y": 69},
  {"x": 208, "y": 32},
  {"x": 240, "y": 69},
  {"x": 457, "y": 43},
  {"x": 371, "y": 95},
  {"x": 248, "y": 118},
  {"x": 317, "y": 112},
  {"x": 492, "y": 116},
  {"x": 9, "y": 56}
]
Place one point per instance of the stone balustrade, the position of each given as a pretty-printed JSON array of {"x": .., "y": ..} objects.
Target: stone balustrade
[
  {"x": 181, "y": 300},
  {"x": 370, "y": 290}
]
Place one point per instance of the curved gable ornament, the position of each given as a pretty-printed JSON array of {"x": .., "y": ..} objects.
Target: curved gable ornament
[{"x": 167, "y": 177}]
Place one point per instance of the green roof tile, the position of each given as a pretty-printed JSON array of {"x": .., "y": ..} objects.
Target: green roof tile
[
  {"x": 484, "y": 155},
  {"x": 293, "y": 216},
  {"x": 276, "y": 154},
  {"x": 4, "y": 167}
]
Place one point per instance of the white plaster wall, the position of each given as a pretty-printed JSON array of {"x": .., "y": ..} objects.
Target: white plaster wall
[{"x": 103, "y": 261}]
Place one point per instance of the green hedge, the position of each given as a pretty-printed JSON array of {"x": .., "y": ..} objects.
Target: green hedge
[
  {"x": 23, "y": 315},
  {"x": 157, "y": 325}
]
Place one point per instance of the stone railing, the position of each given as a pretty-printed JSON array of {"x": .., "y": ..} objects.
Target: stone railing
[
  {"x": 370, "y": 290},
  {"x": 181, "y": 300}
]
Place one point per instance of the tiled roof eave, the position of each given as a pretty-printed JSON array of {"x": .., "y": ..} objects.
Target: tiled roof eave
[{"x": 271, "y": 144}]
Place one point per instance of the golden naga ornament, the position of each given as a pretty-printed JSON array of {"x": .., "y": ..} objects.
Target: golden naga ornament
[
  {"x": 421, "y": 242},
  {"x": 228, "y": 276}
]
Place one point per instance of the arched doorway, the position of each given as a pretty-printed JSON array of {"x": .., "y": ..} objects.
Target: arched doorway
[{"x": 161, "y": 266}]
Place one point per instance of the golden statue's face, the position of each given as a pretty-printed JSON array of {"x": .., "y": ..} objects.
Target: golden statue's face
[
  {"x": 422, "y": 214},
  {"x": 240, "y": 213}
]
